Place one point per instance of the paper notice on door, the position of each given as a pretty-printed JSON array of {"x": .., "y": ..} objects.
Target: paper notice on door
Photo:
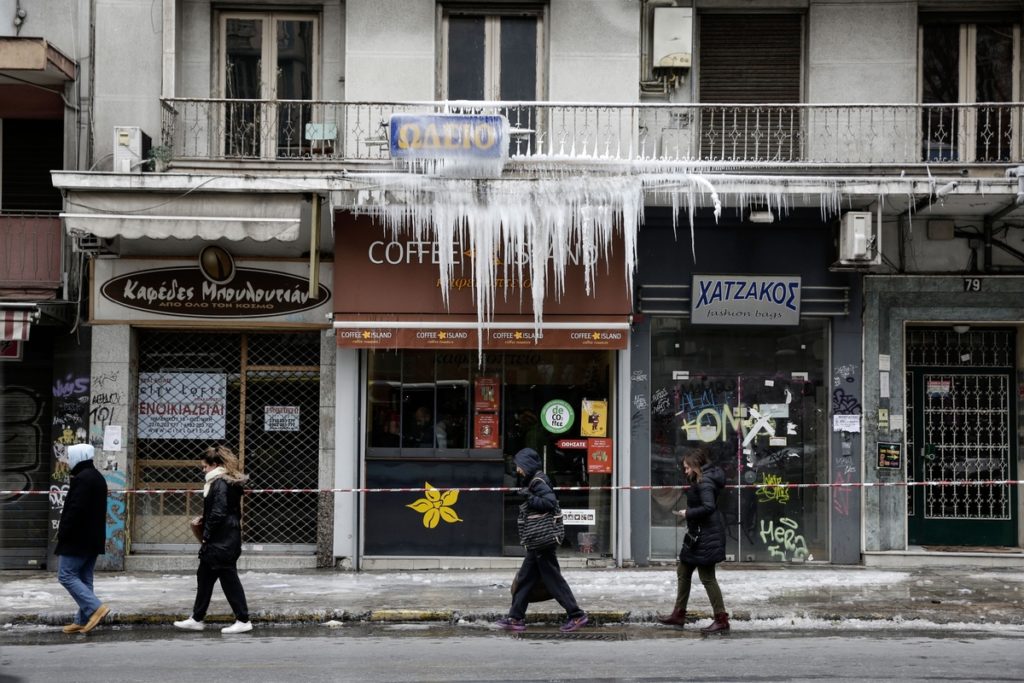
[
  {"x": 846, "y": 423},
  {"x": 883, "y": 384},
  {"x": 896, "y": 423}
]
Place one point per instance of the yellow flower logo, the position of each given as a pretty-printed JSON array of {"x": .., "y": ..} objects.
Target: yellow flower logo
[{"x": 436, "y": 506}]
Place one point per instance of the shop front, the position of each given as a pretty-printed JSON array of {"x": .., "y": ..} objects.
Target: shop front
[
  {"x": 193, "y": 352},
  {"x": 441, "y": 404},
  {"x": 750, "y": 351}
]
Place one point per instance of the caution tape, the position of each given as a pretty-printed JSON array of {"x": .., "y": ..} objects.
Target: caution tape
[{"x": 512, "y": 489}]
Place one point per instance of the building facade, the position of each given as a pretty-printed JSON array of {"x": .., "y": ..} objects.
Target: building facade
[{"x": 378, "y": 247}]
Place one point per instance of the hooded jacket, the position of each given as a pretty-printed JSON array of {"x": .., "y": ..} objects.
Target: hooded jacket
[
  {"x": 540, "y": 495},
  {"x": 704, "y": 519},
  {"x": 222, "y": 521},
  {"x": 82, "y": 530}
]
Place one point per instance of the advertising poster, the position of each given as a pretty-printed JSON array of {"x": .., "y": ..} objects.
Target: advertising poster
[
  {"x": 182, "y": 405},
  {"x": 599, "y": 456},
  {"x": 595, "y": 418},
  {"x": 485, "y": 430},
  {"x": 485, "y": 394}
]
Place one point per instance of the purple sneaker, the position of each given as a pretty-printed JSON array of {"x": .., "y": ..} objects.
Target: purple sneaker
[
  {"x": 512, "y": 624},
  {"x": 575, "y": 623}
]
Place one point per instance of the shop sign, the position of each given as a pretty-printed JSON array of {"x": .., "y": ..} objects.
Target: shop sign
[
  {"x": 448, "y": 136},
  {"x": 182, "y": 405},
  {"x": 579, "y": 517},
  {"x": 890, "y": 455},
  {"x": 745, "y": 300},
  {"x": 557, "y": 416},
  {"x": 280, "y": 418},
  {"x": 380, "y": 336},
  {"x": 599, "y": 456},
  {"x": 214, "y": 287}
]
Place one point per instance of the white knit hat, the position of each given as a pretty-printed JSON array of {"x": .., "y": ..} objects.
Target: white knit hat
[{"x": 78, "y": 453}]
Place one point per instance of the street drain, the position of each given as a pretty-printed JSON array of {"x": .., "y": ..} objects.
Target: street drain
[{"x": 572, "y": 636}]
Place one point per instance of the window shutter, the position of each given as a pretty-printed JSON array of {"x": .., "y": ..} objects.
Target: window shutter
[{"x": 749, "y": 58}]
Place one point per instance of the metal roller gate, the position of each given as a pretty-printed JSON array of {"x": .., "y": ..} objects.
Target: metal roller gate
[{"x": 256, "y": 393}]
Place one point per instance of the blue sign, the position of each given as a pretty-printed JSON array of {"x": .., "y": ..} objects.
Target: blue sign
[
  {"x": 745, "y": 300},
  {"x": 448, "y": 136}
]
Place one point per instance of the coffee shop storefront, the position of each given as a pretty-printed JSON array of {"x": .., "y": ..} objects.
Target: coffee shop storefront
[{"x": 432, "y": 409}]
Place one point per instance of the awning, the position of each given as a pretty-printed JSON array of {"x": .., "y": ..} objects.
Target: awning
[
  {"x": 16, "y": 323},
  {"x": 208, "y": 217},
  {"x": 461, "y": 332}
]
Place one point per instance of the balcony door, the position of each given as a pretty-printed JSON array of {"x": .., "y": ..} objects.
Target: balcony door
[
  {"x": 269, "y": 73},
  {"x": 967, "y": 70},
  {"x": 495, "y": 56}
]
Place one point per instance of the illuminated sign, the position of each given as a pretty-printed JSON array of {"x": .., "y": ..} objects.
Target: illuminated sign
[{"x": 448, "y": 136}]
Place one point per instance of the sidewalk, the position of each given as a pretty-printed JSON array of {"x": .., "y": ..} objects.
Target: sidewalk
[{"x": 757, "y": 598}]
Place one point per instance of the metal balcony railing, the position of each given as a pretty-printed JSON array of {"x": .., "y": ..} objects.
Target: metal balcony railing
[{"x": 753, "y": 134}]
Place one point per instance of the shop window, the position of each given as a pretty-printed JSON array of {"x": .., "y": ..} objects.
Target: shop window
[
  {"x": 759, "y": 403},
  {"x": 447, "y": 418},
  {"x": 967, "y": 70},
  {"x": 268, "y": 68}
]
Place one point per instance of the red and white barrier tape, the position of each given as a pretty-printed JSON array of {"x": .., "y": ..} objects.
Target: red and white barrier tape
[{"x": 508, "y": 489}]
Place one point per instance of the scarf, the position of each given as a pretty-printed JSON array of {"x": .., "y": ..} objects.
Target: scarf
[{"x": 210, "y": 476}]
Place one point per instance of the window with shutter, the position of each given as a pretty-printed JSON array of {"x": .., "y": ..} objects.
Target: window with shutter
[{"x": 750, "y": 65}]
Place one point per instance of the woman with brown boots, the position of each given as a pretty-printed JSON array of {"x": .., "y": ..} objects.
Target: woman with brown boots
[{"x": 704, "y": 542}]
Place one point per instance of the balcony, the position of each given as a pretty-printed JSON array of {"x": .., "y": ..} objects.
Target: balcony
[{"x": 790, "y": 136}]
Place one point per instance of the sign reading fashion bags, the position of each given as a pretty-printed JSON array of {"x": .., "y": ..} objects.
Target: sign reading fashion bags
[
  {"x": 182, "y": 405},
  {"x": 745, "y": 300}
]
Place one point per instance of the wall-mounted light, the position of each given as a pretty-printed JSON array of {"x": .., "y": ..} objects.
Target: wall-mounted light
[
  {"x": 761, "y": 217},
  {"x": 961, "y": 329}
]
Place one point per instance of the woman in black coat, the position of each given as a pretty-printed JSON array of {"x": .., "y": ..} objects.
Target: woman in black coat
[
  {"x": 221, "y": 542},
  {"x": 704, "y": 543}
]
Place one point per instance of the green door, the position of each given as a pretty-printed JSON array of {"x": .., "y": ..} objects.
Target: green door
[{"x": 961, "y": 441}]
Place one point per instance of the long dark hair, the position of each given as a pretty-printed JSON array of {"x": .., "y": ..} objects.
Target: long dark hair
[{"x": 696, "y": 459}]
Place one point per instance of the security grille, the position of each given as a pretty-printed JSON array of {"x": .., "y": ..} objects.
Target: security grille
[
  {"x": 944, "y": 348},
  {"x": 267, "y": 387}
]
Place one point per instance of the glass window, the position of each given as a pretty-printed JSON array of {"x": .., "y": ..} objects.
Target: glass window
[
  {"x": 760, "y": 403},
  {"x": 267, "y": 57},
  {"x": 425, "y": 405}
]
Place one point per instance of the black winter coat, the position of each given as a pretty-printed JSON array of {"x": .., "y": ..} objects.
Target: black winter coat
[
  {"x": 540, "y": 496},
  {"x": 705, "y": 519},
  {"x": 222, "y": 523},
  {"x": 83, "y": 521}
]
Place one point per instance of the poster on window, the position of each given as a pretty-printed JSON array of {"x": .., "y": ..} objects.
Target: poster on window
[
  {"x": 599, "y": 456},
  {"x": 485, "y": 394},
  {"x": 485, "y": 430},
  {"x": 182, "y": 405},
  {"x": 595, "y": 418},
  {"x": 280, "y": 418}
]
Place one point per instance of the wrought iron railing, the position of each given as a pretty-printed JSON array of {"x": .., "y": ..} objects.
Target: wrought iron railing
[{"x": 786, "y": 134}]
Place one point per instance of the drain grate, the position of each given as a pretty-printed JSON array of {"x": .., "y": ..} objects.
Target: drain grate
[{"x": 557, "y": 635}]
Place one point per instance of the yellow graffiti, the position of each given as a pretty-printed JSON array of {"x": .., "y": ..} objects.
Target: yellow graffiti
[
  {"x": 773, "y": 489},
  {"x": 436, "y": 506}
]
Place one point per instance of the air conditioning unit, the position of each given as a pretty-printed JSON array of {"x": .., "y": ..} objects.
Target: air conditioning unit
[
  {"x": 860, "y": 241},
  {"x": 85, "y": 243},
  {"x": 131, "y": 149}
]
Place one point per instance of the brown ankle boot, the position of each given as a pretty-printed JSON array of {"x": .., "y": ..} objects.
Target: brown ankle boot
[
  {"x": 677, "y": 618},
  {"x": 719, "y": 625}
]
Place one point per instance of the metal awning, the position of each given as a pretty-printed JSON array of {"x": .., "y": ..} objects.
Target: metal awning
[
  {"x": 16, "y": 320},
  {"x": 208, "y": 217}
]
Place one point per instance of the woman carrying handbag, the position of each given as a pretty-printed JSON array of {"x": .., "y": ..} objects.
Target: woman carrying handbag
[
  {"x": 704, "y": 542},
  {"x": 540, "y": 563},
  {"x": 221, "y": 540}
]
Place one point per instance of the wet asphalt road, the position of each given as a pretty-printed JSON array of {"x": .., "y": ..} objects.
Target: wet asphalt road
[{"x": 425, "y": 652}]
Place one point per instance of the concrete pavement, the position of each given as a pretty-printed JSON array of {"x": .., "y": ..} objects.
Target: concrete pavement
[{"x": 776, "y": 596}]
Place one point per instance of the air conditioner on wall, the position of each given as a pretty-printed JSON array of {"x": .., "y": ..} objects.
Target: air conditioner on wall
[
  {"x": 131, "y": 149},
  {"x": 859, "y": 239}
]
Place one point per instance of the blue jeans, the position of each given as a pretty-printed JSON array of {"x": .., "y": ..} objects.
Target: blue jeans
[{"x": 75, "y": 574}]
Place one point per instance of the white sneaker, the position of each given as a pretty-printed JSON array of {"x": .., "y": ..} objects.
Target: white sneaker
[
  {"x": 238, "y": 627},
  {"x": 190, "y": 624}
]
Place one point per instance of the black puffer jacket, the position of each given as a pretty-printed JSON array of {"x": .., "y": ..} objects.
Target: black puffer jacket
[
  {"x": 704, "y": 519},
  {"x": 222, "y": 523},
  {"x": 540, "y": 496},
  {"x": 83, "y": 521}
]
